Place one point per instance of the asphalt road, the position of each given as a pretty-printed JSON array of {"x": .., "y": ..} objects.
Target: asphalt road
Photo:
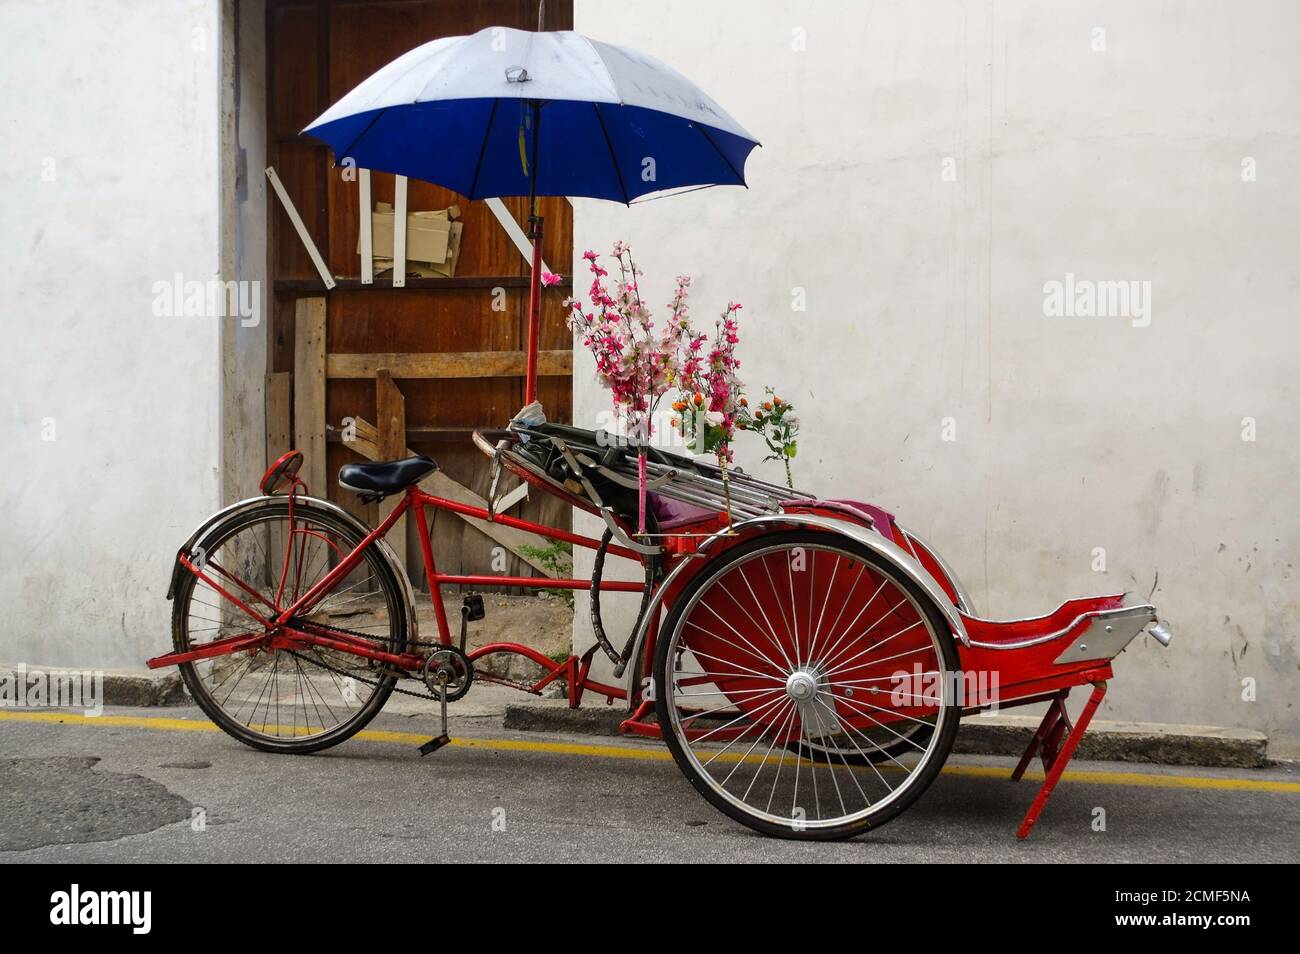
[{"x": 155, "y": 785}]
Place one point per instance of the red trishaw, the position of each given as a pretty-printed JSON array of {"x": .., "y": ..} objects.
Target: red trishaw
[{"x": 807, "y": 661}]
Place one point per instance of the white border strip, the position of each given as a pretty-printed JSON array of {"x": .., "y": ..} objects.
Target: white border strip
[
  {"x": 399, "y": 232},
  {"x": 367, "y": 240},
  {"x": 296, "y": 219}
]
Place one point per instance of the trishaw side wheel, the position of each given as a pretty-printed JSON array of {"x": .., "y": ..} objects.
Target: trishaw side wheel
[
  {"x": 806, "y": 638},
  {"x": 287, "y": 701}
]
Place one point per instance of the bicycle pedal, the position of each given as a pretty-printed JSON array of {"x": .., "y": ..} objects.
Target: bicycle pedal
[{"x": 433, "y": 745}]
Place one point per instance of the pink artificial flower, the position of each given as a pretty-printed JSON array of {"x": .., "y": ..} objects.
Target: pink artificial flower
[{"x": 550, "y": 278}]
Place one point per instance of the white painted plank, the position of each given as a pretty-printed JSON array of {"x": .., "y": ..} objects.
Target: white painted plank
[
  {"x": 513, "y": 229},
  {"x": 509, "y": 500},
  {"x": 367, "y": 240},
  {"x": 296, "y": 219},
  {"x": 399, "y": 232}
]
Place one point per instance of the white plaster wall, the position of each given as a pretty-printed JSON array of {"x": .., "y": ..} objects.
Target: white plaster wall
[
  {"x": 120, "y": 100},
  {"x": 925, "y": 297},
  {"x": 243, "y": 239}
]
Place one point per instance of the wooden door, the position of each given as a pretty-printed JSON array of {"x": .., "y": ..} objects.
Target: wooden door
[{"x": 317, "y": 51}]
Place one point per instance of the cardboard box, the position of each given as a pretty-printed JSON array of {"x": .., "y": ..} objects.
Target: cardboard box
[{"x": 432, "y": 241}]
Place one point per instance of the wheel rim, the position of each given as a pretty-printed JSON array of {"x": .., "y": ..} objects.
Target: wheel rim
[
  {"x": 286, "y": 696},
  {"x": 807, "y": 644}
]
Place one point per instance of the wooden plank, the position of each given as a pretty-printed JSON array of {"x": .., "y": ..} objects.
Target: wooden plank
[
  {"x": 440, "y": 485},
  {"x": 277, "y": 445},
  {"x": 277, "y": 415},
  {"x": 390, "y": 414},
  {"x": 309, "y": 391},
  {"x": 452, "y": 364}
]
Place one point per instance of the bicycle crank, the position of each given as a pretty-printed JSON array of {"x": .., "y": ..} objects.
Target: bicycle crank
[{"x": 448, "y": 673}]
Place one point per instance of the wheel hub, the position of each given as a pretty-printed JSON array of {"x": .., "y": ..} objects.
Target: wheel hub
[
  {"x": 816, "y": 719},
  {"x": 801, "y": 685}
]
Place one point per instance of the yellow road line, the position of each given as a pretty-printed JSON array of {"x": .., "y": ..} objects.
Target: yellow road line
[{"x": 1143, "y": 779}]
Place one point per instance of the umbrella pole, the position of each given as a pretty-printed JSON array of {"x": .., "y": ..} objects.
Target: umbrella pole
[{"x": 535, "y": 278}]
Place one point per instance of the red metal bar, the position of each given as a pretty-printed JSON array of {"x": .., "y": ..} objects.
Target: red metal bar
[
  {"x": 1062, "y": 760},
  {"x": 218, "y": 647},
  {"x": 633, "y": 724},
  {"x": 1046, "y": 729},
  {"x": 601, "y": 689},
  {"x": 430, "y": 568},
  {"x": 242, "y": 585},
  {"x": 541, "y": 529},
  {"x": 294, "y": 636},
  {"x": 185, "y": 562},
  {"x": 539, "y": 582},
  {"x": 519, "y": 649}
]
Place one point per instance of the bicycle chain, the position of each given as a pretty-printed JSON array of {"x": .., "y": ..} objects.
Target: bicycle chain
[{"x": 416, "y": 643}]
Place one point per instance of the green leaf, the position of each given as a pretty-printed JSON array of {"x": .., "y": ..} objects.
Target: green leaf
[{"x": 792, "y": 449}]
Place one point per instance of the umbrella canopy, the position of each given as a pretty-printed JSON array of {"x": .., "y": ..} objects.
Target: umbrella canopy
[{"x": 509, "y": 112}]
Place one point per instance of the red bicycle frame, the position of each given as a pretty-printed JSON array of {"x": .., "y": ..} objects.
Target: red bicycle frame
[{"x": 283, "y": 627}]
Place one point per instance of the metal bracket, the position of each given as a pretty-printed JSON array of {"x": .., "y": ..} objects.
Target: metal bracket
[{"x": 1108, "y": 633}]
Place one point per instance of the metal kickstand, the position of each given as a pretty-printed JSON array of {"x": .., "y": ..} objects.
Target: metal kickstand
[{"x": 434, "y": 744}]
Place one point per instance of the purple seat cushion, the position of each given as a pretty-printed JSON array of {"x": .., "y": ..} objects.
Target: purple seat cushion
[{"x": 674, "y": 513}]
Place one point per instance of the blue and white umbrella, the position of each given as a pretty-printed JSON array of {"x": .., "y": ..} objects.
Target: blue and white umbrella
[{"x": 508, "y": 112}]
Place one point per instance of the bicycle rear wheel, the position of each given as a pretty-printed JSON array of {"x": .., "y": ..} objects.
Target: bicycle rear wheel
[{"x": 282, "y": 700}]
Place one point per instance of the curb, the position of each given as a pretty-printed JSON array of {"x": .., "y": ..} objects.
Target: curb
[
  {"x": 1149, "y": 742},
  {"x": 1007, "y": 735},
  {"x": 121, "y": 687}
]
